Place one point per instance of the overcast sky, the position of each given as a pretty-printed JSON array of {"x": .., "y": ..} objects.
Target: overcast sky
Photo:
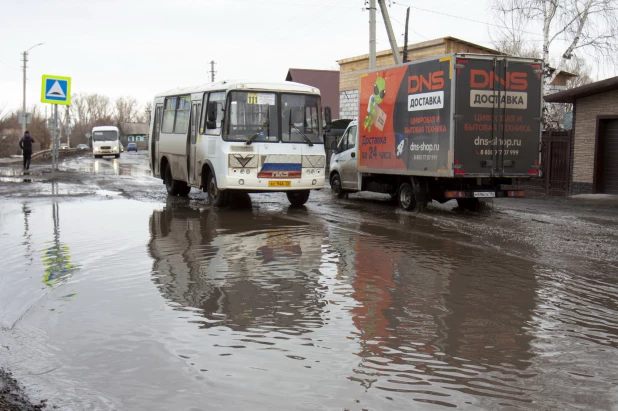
[{"x": 139, "y": 48}]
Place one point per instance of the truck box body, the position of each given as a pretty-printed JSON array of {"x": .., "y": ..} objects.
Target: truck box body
[{"x": 458, "y": 115}]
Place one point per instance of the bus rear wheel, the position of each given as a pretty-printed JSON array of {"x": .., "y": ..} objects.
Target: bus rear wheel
[
  {"x": 298, "y": 198},
  {"x": 172, "y": 186},
  {"x": 184, "y": 191},
  {"x": 217, "y": 198}
]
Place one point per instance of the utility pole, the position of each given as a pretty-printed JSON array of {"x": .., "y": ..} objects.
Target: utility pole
[
  {"x": 389, "y": 31},
  {"x": 23, "y": 110},
  {"x": 405, "y": 37},
  {"x": 23, "y": 115},
  {"x": 372, "y": 34},
  {"x": 212, "y": 71}
]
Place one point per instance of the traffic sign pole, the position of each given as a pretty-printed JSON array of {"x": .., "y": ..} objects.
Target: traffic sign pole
[
  {"x": 56, "y": 90},
  {"x": 54, "y": 145}
]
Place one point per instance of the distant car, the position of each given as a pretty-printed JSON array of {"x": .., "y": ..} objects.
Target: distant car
[
  {"x": 82, "y": 147},
  {"x": 121, "y": 148},
  {"x": 64, "y": 146},
  {"x": 132, "y": 147}
]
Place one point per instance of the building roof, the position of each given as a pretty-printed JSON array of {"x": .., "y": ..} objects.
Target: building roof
[
  {"x": 134, "y": 128},
  {"x": 327, "y": 81},
  {"x": 569, "y": 96},
  {"x": 415, "y": 46}
]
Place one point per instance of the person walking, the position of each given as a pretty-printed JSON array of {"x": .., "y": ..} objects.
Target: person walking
[{"x": 25, "y": 143}]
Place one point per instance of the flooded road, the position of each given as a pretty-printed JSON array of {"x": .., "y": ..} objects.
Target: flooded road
[{"x": 114, "y": 303}]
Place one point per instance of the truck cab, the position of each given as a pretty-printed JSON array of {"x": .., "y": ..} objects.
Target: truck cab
[{"x": 344, "y": 174}]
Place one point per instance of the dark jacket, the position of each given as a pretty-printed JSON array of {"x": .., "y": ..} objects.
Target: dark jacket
[{"x": 26, "y": 142}]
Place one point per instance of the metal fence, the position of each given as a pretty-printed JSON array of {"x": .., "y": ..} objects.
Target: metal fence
[{"x": 555, "y": 165}]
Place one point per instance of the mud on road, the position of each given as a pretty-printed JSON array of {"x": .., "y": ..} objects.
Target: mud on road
[{"x": 115, "y": 296}]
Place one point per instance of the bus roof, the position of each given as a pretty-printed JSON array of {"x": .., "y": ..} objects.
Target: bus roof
[
  {"x": 105, "y": 128},
  {"x": 289, "y": 86}
]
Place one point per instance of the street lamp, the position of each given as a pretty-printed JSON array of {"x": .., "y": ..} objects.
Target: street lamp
[{"x": 23, "y": 113}]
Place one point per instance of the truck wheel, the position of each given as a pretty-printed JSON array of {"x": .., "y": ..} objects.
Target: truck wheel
[
  {"x": 470, "y": 204},
  {"x": 298, "y": 198},
  {"x": 217, "y": 198},
  {"x": 407, "y": 201},
  {"x": 335, "y": 186},
  {"x": 172, "y": 186}
]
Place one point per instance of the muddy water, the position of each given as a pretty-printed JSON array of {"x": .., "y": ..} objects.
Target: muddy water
[{"x": 123, "y": 305}]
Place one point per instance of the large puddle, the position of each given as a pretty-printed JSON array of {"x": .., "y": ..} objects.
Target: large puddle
[{"x": 126, "y": 305}]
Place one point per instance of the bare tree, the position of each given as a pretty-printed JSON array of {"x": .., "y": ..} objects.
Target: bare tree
[
  {"x": 589, "y": 26},
  {"x": 10, "y": 132},
  {"x": 556, "y": 113},
  {"x": 126, "y": 110},
  {"x": 144, "y": 115}
]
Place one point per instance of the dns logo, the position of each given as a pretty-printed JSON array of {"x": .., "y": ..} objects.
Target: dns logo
[{"x": 400, "y": 145}]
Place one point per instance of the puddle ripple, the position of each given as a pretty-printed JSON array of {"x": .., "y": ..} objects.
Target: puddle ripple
[{"x": 179, "y": 307}]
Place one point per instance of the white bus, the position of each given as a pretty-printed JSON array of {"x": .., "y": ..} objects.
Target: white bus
[
  {"x": 239, "y": 136},
  {"x": 105, "y": 141}
]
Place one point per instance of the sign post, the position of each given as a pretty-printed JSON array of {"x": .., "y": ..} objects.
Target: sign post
[{"x": 55, "y": 90}]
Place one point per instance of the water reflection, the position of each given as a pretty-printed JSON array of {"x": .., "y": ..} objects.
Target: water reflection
[
  {"x": 56, "y": 257},
  {"x": 239, "y": 269},
  {"x": 109, "y": 166},
  {"x": 384, "y": 315},
  {"x": 435, "y": 318}
]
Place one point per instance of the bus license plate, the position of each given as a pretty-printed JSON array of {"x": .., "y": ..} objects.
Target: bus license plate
[
  {"x": 104, "y": 151},
  {"x": 484, "y": 194},
  {"x": 279, "y": 183}
]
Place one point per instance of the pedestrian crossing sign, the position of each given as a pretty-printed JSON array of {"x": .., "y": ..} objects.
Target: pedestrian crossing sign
[{"x": 56, "y": 90}]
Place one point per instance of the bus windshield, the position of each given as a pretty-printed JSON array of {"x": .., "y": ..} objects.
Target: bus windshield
[
  {"x": 300, "y": 118},
  {"x": 108, "y": 135},
  {"x": 253, "y": 117}
]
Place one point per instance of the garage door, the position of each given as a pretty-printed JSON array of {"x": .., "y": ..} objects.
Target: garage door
[{"x": 609, "y": 179}]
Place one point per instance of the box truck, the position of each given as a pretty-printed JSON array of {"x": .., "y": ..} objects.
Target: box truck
[{"x": 458, "y": 126}]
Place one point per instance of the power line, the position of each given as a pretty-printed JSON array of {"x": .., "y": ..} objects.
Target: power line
[
  {"x": 463, "y": 18},
  {"x": 11, "y": 67},
  {"x": 409, "y": 29}
]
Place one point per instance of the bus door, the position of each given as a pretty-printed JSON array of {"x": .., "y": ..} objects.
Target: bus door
[
  {"x": 154, "y": 141},
  {"x": 192, "y": 164}
]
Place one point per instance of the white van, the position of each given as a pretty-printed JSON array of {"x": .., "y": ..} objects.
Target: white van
[{"x": 105, "y": 141}]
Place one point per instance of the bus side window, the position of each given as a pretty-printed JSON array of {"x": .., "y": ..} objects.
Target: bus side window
[
  {"x": 169, "y": 114},
  {"x": 204, "y": 114}
]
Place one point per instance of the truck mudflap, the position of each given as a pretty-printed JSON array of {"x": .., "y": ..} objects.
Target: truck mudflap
[{"x": 483, "y": 193}]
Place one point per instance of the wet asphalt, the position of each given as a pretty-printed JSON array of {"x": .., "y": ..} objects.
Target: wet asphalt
[{"x": 115, "y": 296}]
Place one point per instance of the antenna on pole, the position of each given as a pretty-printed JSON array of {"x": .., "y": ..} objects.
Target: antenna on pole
[{"x": 212, "y": 71}]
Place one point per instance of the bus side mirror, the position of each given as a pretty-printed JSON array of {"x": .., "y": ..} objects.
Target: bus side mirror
[
  {"x": 327, "y": 115},
  {"x": 211, "y": 113}
]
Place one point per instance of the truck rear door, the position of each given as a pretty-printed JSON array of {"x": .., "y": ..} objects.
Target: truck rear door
[{"x": 497, "y": 116}]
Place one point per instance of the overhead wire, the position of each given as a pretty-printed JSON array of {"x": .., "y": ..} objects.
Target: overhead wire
[{"x": 463, "y": 18}]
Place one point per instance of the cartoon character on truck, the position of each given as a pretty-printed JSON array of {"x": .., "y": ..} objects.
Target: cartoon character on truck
[{"x": 374, "y": 113}]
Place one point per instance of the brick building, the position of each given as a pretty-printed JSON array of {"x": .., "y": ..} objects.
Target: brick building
[
  {"x": 350, "y": 68},
  {"x": 594, "y": 153}
]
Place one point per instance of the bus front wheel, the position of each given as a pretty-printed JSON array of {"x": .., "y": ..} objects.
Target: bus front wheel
[
  {"x": 172, "y": 186},
  {"x": 217, "y": 198},
  {"x": 298, "y": 198}
]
